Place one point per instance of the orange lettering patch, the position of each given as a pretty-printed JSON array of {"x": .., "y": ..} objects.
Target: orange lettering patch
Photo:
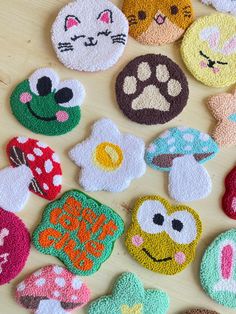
[{"x": 78, "y": 230}]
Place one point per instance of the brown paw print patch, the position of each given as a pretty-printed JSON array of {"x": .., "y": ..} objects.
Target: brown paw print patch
[{"x": 152, "y": 89}]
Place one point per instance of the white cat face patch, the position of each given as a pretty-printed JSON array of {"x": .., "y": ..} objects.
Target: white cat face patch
[{"x": 89, "y": 35}]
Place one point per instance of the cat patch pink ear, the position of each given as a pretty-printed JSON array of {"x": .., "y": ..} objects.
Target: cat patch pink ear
[
  {"x": 229, "y": 47},
  {"x": 105, "y": 17},
  {"x": 212, "y": 36},
  {"x": 71, "y": 21}
]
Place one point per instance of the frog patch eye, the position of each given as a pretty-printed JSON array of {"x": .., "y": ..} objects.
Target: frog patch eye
[
  {"x": 70, "y": 94},
  {"x": 43, "y": 81},
  {"x": 152, "y": 216},
  {"x": 182, "y": 227}
]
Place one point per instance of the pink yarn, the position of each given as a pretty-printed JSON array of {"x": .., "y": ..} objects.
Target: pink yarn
[
  {"x": 226, "y": 261},
  {"x": 62, "y": 116},
  {"x": 14, "y": 246}
]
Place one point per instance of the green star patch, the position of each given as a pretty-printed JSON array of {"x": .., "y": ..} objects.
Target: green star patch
[{"x": 130, "y": 297}]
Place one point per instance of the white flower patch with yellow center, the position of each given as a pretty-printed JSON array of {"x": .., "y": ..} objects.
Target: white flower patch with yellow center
[{"x": 108, "y": 159}]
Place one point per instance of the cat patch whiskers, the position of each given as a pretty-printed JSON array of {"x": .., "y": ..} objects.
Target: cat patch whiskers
[
  {"x": 90, "y": 36},
  {"x": 120, "y": 39},
  {"x": 65, "y": 47}
]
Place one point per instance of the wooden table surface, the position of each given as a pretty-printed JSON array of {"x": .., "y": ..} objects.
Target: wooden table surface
[{"x": 25, "y": 46}]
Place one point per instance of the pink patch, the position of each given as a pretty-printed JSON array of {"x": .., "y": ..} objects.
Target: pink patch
[
  {"x": 71, "y": 22},
  {"x": 25, "y": 98},
  {"x": 180, "y": 258},
  {"x": 105, "y": 17},
  {"x": 56, "y": 283},
  {"x": 203, "y": 64},
  {"x": 233, "y": 205},
  {"x": 216, "y": 70},
  {"x": 14, "y": 246},
  {"x": 137, "y": 240},
  {"x": 62, "y": 116},
  {"x": 226, "y": 261}
]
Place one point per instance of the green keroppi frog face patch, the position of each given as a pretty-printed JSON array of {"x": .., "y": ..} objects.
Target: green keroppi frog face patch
[{"x": 45, "y": 105}]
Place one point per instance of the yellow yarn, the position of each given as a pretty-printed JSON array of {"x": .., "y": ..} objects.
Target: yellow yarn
[
  {"x": 108, "y": 156},
  {"x": 208, "y": 45},
  {"x": 146, "y": 247}
]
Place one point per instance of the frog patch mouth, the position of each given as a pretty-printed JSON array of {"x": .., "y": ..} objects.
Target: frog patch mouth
[
  {"x": 39, "y": 117},
  {"x": 166, "y": 259}
]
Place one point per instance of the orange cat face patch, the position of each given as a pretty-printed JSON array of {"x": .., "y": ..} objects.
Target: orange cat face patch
[{"x": 157, "y": 22}]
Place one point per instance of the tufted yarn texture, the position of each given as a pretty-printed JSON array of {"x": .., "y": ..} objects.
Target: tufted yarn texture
[
  {"x": 162, "y": 237},
  {"x": 209, "y": 50},
  {"x": 14, "y": 246},
  {"x": 152, "y": 89},
  {"x": 78, "y": 230},
  {"x": 90, "y": 35},
  {"x": 129, "y": 297},
  {"x": 157, "y": 22}
]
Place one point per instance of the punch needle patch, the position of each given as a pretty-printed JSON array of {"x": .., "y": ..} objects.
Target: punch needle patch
[
  {"x": 130, "y": 297},
  {"x": 229, "y": 197},
  {"x": 78, "y": 230},
  {"x": 52, "y": 289},
  {"x": 209, "y": 50},
  {"x": 35, "y": 168},
  {"x": 226, "y": 6},
  {"x": 223, "y": 108},
  {"x": 90, "y": 35},
  {"x": 217, "y": 273},
  {"x": 109, "y": 160},
  {"x": 162, "y": 237},
  {"x": 201, "y": 311},
  {"x": 158, "y": 22},
  {"x": 181, "y": 151},
  {"x": 14, "y": 246},
  {"x": 47, "y": 106},
  {"x": 152, "y": 89}
]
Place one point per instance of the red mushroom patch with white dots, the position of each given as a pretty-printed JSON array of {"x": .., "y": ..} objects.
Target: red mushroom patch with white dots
[
  {"x": 52, "y": 289},
  {"x": 42, "y": 161},
  {"x": 35, "y": 167}
]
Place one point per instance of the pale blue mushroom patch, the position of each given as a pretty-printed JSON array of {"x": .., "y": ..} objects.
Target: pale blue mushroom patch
[{"x": 178, "y": 142}]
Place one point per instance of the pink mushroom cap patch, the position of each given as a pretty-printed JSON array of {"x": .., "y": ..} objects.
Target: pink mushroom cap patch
[
  {"x": 14, "y": 246},
  {"x": 35, "y": 167},
  {"x": 52, "y": 289}
]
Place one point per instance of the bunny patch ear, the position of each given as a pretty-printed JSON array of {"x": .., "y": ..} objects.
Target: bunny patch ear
[
  {"x": 229, "y": 47},
  {"x": 212, "y": 36},
  {"x": 227, "y": 255},
  {"x": 105, "y": 17},
  {"x": 71, "y": 21}
]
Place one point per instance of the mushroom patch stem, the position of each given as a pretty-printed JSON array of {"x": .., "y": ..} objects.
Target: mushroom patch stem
[
  {"x": 188, "y": 180},
  {"x": 50, "y": 306},
  {"x": 14, "y": 187}
]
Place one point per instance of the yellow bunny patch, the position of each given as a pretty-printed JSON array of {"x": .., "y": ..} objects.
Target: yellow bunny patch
[
  {"x": 209, "y": 50},
  {"x": 162, "y": 237}
]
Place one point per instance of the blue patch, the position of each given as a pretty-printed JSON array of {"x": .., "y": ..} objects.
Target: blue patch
[
  {"x": 180, "y": 141},
  {"x": 232, "y": 117}
]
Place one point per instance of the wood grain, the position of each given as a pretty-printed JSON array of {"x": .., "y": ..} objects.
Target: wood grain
[{"x": 25, "y": 45}]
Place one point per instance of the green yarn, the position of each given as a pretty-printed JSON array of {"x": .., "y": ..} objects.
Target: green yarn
[
  {"x": 129, "y": 296},
  {"x": 43, "y": 106},
  {"x": 78, "y": 230},
  {"x": 211, "y": 273}
]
